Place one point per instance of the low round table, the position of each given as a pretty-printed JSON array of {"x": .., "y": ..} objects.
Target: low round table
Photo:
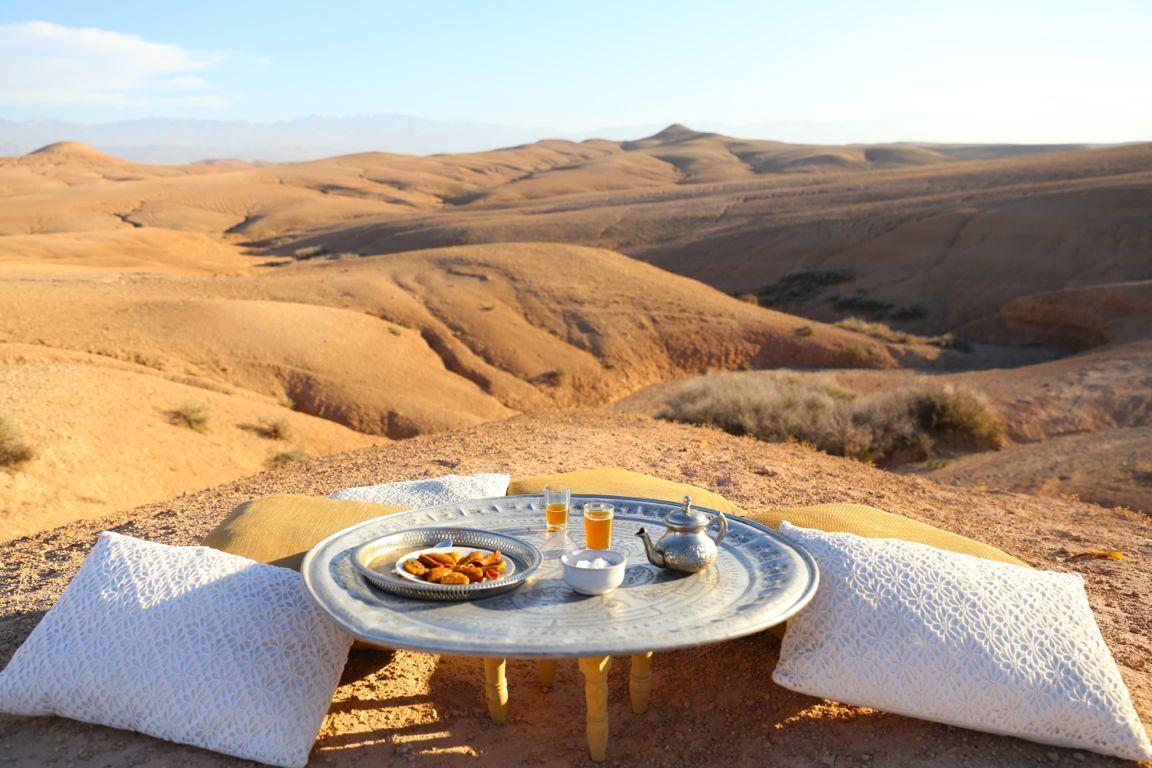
[{"x": 759, "y": 579}]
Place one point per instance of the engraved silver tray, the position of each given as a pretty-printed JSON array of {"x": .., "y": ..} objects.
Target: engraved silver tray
[
  {"x": 759, "y": 580},
  {"x": 376, "y": 561}
]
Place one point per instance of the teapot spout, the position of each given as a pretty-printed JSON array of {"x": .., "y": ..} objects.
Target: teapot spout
[{"x": 650, "y": 550}]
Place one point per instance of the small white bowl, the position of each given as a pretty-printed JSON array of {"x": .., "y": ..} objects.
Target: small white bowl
[{"x": 593, "y": 581}]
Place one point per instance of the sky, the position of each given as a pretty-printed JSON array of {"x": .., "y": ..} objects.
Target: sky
[{"x": 888, "y": 70}]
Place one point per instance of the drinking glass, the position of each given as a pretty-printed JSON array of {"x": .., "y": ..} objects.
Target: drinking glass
[
  {"x": 557, "y": 499},
  {"x": 598, "y": 524}
]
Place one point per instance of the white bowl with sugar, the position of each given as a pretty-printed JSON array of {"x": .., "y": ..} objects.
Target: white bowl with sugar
[{"x": 593, "y": 571}]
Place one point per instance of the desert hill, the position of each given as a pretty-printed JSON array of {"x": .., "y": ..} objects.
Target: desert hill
[
  {"x": 146, "y": 249},
  {"x": 347, "y": 351},
  {"x": 938, "y": 238},
  {"x": 428, "y": 711},
  {"x": 1078, "y": 425},
  {"x": 106, "y": 436},
  {"x": 393, "y": 295},
  {"x": 1076, "y": 319},
  {"x": 956, "y": 240}
]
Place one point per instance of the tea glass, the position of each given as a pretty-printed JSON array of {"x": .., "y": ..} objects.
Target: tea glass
[
  {"x": 598, "y": 524},
  {"x": 557, "y": 501}
]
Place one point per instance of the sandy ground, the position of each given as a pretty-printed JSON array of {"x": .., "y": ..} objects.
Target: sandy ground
[
  {"x": 1112, "y": 467},
  {"x": 713, "y": 705}
]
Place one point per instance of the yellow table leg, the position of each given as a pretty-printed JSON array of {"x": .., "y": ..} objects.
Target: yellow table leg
[
  {"x": 547, "y": 673},
  {"x": 496, "y": 689},
  {"x": 640, "y": 681},
  {"x": 595, "y": 669}
]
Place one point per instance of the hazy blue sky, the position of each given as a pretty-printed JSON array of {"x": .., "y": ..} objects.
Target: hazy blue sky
[{"x": 828, "y": 71}]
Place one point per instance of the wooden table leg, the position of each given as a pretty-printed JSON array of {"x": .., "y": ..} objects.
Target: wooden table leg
[
  {"x": 547, "y": 673},
  {"x": 640, "y": 681},
  {"x": 595, "y": 669},
  {"x": 496, "y": 689}
]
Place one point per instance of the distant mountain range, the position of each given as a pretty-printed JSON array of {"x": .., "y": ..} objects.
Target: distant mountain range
[
  {"x": 181, "y": 140},
  {"x": 178, "y": 140}
]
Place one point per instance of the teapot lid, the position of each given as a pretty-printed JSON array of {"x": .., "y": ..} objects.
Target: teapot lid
[{"x": 686, "y": 517}]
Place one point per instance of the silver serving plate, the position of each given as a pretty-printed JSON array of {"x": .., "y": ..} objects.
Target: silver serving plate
[
  {"x": 375, "y": 560},
  {"x": 759, "y": 579}
]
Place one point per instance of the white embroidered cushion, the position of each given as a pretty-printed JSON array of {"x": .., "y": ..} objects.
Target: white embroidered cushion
[
  {"x": 186, "y": 644},
  {"x": 941, "y": 636},
  {"x": 447, "y": 489}
]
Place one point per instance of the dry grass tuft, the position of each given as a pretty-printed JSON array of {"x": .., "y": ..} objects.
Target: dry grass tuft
[
  {"x": 194, "y": 416},
  {"x": 274, "y": 429},
  {"x": 557, "y": 378},
  {"x": 887, "y": 333},
  {"x": 912, "y": 423},
  {"x": 14, "y": 451},
  {"x": 287, "y": 457},
  {"x": 309, "y": 252},
  {"x": 856, "y": 356}
]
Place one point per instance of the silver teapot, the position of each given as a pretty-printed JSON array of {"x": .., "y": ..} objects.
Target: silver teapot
[{"x": 686, "y": 545}]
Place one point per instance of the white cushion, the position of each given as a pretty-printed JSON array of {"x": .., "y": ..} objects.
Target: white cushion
[
  {"x": 431, "y": 492},
  {"x": 918, "y": 631},
  {"x": 186, "y": 644}
]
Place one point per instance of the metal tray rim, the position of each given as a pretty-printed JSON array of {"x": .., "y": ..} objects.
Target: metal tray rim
[{"x": 452, "y": 649}]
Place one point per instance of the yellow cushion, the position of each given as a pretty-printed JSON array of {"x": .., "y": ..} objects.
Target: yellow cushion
[
  {"x": 621, "y": 482},
  {"x": 281, "y": 529},
  {"x": 877, "y": 524}
]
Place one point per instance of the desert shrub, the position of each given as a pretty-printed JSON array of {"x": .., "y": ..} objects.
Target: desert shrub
[
  {"x": 804, "y": 330},
  {"x": 948, "y": 341},
  {"x": 747, "y": 298},
  {"x": 14, "y": 451},
  {"x": 909, "y": 423},
  {"x": 887, "y": 333},
  {"x": 958, "y": 417},
  {"x": 865, "y": 305},
  {"x": 287, "y": 457},
  {"x": 856, "y": 356},
  {"x": 910, "y": 312},
  {"x": 557, "y": 378},
  {"x": 802, "y": 285},
  {"x": 875, "y": 330},
  {"x": 274, "y": 429},
  {"x": 309, "y": 252},
  {"x": 194, "y": 416}
]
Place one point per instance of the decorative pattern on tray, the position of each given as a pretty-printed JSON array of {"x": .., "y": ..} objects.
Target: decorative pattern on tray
[{"x": 758, "y": 580}]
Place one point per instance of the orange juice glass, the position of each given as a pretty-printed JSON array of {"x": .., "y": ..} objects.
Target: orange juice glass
[
  {"x": 557, "y": 499},
  {"x": 598, "y": 525}
]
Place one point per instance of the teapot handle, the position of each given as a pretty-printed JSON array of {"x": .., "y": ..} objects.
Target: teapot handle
[{"x": 720, "y": 534}]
